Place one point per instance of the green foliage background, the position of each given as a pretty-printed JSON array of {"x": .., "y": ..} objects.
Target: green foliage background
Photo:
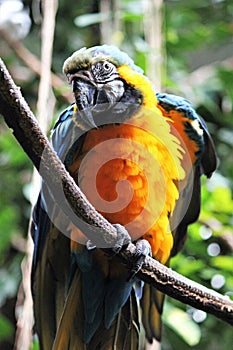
[{"x": 199, "y": 53}]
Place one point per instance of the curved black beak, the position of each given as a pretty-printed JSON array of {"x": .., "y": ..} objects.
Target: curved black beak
[
  {"x": 85, "y": 91},
  {"x": 94, "y": 100}
]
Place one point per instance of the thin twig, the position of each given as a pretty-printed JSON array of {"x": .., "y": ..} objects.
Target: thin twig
[
  {"x": 33, "y": 62},
  {"x": 155, "y": 59},
  {"x": 19, "y": 117},
  {"x": 45, "y": 107}
]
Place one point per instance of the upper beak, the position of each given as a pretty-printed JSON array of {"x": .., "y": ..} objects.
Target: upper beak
[
  {"x": 84, "y": 75},
  {"x": 84, "y": 90}
]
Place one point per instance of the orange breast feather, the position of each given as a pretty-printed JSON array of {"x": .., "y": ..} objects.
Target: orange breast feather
[{"x": 130, "y": 173}]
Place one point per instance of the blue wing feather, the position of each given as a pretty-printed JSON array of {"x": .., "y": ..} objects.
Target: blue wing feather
[
  {"x": 206, "y": 163},
  {"x": 207, "y": 154},
  {"x": 40, "y": 220},
  {"x": 39, "y": 230}
]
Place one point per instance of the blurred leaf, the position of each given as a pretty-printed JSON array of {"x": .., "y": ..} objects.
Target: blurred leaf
[
  {"x": 187, "y": 265},
  {"x": 226, "y": 136},
  {"x": 35, "y": 345},
  {"x": 181, "y": 323},
  {"x": 133, "y": 6},
  {"x": 9, "y": 279},
  {"x": 7, "y": 216},
  {"x": 226, "y": 77},
  {"x": 6, "y": 329},
  {"x": 223, "y": 262},
  {"x": 13, "y": 153},
  {"x": 90, "y": 18}
]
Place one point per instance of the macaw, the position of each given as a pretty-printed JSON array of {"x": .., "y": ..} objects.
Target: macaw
[{"x": 137, "y": 155}]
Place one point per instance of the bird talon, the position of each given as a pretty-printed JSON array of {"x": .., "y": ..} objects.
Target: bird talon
[
  {"x": 123, "y": 238},
  {"x": 143, "y": 249},
  {"x": 90, "y": 245}
]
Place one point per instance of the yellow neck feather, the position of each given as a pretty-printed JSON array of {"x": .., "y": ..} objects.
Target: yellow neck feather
[{"x": 141, "y": 83}]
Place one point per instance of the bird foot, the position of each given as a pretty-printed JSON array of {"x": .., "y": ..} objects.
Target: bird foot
[
  {"x": 143, "y": 249},
  {"x": 123, "y": 238},
  {"x": 90, "y": 245}
]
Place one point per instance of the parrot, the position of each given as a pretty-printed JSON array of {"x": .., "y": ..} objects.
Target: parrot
[{"x": 137, "y": 155}]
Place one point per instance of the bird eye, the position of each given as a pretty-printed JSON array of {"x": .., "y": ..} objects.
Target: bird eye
[
  {"x": 103, "y": 71},
  {"x": 107, "y": 66}
]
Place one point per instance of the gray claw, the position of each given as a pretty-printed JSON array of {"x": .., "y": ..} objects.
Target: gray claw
[
  {"x": 143, "y": 249},
  {"x": 90, "y": 245},
  {"x": 123, "y": 238}
]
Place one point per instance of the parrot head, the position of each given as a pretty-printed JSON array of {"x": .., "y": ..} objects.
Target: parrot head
[{"x": 104, "y": 82}]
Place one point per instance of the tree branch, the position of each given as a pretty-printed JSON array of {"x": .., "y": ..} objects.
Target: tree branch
[{"x": 19, "y": 117}]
